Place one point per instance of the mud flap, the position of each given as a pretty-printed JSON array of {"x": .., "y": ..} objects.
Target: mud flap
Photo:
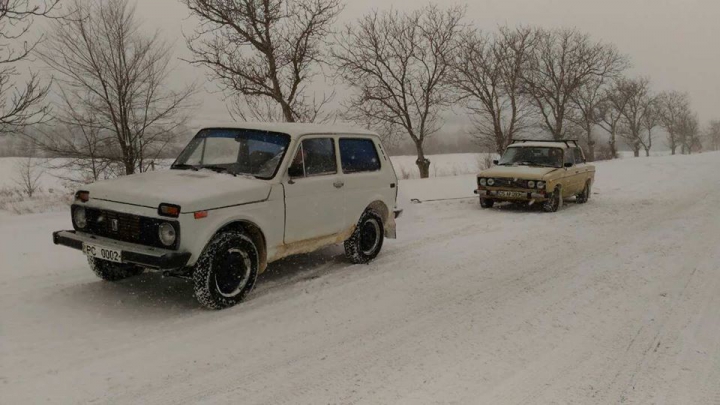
[{"x": 390, "y": 227}]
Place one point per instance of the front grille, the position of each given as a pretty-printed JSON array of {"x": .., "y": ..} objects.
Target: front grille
[
  {"x": 127, "y": 227},
  {"x": 511, "y": 183}
]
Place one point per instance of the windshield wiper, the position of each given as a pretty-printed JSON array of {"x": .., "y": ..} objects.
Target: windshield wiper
[
  {"x": 220, "y": 169},
  {"x": 184, "y": 167}
]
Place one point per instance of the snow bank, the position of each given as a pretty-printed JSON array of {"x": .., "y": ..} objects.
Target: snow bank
[{"x": 447, "y": 165}]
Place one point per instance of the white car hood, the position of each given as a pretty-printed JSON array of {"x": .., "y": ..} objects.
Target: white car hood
[{"x": 192, "y": 191}]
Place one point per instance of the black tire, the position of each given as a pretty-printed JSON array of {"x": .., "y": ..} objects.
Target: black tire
[
  {"x": 486, "y": 203},
  {"x": 584, "y": 196},
  {"x": 226, "y": 271},
  {"x": 110, "y": 271},
  {"x": 366, "y": 241},
  {"x": 554, "y": 202}
]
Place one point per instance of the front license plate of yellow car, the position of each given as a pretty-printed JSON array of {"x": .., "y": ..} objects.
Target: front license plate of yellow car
[
  {"x": 100, "y": 252},
  {"x": 512, "y": 194}
]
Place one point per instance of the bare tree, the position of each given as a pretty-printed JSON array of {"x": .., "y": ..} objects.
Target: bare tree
[
  {"x": 689, "y": 131},
  {"x": 712, "y": 135},
  {"x": 113, "y": 79},
  {"x": 673, "y": 106},
  {"x": 487, "y": 71},
  {"x": 20, "y": 105},
  {"x": 610, "y": 108},
  {"x": 563, "y": 62},
  {"x": 588, "y": 102},
  {"x": 400, "y": 66},
  {"x": 636, "y": 95},
  {"x": 265, "y": 53},
  {"x": 28, "y": 176},
  {"x": 651, "y": 120}
]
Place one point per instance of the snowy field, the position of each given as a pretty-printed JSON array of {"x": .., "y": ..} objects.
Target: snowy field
[
  {"x": 55, "y": 191},
  {"x": 615, "y": 301}
]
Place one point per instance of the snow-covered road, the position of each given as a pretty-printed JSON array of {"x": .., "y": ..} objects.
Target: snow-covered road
[{"x": 615, "y": 301}]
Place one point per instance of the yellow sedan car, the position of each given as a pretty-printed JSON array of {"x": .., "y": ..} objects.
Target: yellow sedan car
[{"x": 534, "y": 171}]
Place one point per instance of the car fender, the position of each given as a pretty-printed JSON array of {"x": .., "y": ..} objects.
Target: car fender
[{"x": 268, "y": 216}]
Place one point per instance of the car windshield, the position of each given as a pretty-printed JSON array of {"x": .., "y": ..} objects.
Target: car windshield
[
  {"x": 532, "y": 156},
  {"x": 235, "y": 151}
]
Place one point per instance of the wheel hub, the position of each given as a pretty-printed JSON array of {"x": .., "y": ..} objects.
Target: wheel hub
[
  {"x": 369, "y": 236},
  {"x": 232, "y": 272}
]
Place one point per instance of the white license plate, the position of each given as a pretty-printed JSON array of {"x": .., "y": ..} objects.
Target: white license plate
[
  {"x": 512, "y": 194},
  {"x": 100, "y": 252}
]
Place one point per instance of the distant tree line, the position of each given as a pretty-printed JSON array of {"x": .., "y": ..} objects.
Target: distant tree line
[{"x": 405, "y": 71}]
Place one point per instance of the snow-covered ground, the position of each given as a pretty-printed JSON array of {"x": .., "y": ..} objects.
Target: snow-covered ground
[{"x": 615, "y": 301}]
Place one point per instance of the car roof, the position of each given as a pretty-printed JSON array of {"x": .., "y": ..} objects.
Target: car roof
[
  {"x": 295, "y": 129},
  {"x": 531, "y": 144}
]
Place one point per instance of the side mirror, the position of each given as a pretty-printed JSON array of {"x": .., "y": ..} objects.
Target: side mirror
[
  {"x": 568, "y": 164},
  {"x": 295, "y": 171},
  {"x": 495, "y": 162}
]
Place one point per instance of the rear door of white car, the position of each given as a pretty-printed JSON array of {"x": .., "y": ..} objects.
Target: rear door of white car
[
  {"x": 364, "y": 176},
  {"x": 314, "y": 194}
]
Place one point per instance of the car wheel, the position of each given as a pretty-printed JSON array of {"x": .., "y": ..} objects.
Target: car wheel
[
  {"x": 110, "y": 271},
  {"x": 583, "y": 197},
  {"x": 366, "y": 241},
  {"x": 486, "y": 203},
  {"x": 226, "y": 271},
  {"x": 554, "y": 202}
]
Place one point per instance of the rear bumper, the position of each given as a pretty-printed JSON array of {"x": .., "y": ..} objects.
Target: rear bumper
[
  {"x": 144, "y": 256},
  {"x": 528, "y": 196}
]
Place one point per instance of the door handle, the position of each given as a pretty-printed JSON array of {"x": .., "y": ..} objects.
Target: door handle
[{"x": 338, "y": 184}]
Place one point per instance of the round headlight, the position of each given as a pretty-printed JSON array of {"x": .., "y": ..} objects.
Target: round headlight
[
  {"x": 79, "y": 218},
  {"x": 166, "y": 233},
  {"x": 490, "y": 182},
  {"x": 531, "y": 184},
  {"x": 540, "y": 185},
  {"x": 483, "y": 182}
]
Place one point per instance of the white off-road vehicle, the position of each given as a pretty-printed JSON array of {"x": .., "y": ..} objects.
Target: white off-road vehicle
[{"x": 236, "y": 199}]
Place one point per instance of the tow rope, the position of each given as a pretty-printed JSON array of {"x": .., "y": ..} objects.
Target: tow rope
[{"x": 418, "y": 201}]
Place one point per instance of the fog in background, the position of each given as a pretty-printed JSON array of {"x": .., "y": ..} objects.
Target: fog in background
[{"x": 673, "y": 42}]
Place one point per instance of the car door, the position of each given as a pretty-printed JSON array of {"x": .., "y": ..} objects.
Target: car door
[
  {"x": 313, "y": 191},
  {"x": 577, "y": 173},
  {"x": 582, "y": 169},
  {"x": 363, "y": 176},
  {"x": 570, "y": 179}
]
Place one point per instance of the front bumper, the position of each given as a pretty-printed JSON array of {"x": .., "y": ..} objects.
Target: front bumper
[
  {"x": 527, "y": 195},
  {"x": 144, "y": 256}
]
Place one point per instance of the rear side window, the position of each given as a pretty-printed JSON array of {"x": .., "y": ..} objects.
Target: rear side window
[
  {"x": 579, "y": 156},
  {"x": 569, "y": 156},
  {"x": 359, "y": 155},
  {"x": 314, "y": 157}
]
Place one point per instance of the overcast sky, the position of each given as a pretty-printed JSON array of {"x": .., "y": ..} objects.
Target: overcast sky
[{"x": 674, "y": 42}]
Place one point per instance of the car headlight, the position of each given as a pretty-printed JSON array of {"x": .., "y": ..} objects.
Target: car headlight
[
  {"x": 483, "y": 182},
  {"x": 531, "y": 184},
  {"x": 167, "y": 234},
  {"x": 540, "y": 185},
  {"x": 490, "y": 182},
  {"x": 79, "y": 217}
]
